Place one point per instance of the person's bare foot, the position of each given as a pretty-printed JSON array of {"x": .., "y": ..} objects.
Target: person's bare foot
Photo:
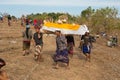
[
  {"x": 23, "y": 54},
  {"x": 35, "y": 58},
  {"x": 88, "y": 60},
  {"x": 56, "y": 67},
  {"x": 67, "y": 67},
  {"x": 28, "y": 53}
]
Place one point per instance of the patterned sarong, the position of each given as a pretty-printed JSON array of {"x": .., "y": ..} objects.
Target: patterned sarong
[
  {"x": 38, "y": 50},
  {"x": 61, "y": 56}
]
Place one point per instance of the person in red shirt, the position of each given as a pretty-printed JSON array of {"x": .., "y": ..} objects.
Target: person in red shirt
[{"x": 35, "y": 22}]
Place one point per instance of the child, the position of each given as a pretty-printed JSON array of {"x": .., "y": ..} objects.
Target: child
[
  {"x": 3, "y": 75},
  {"x": 38, "y": 42}
]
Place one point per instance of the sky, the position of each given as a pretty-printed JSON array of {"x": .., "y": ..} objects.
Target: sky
[{"x": 73, "y": 7}]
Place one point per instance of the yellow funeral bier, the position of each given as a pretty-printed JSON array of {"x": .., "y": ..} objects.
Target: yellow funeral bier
[
  {"x": 62, "y": 26},
  {"x": 66, "y": 28}
]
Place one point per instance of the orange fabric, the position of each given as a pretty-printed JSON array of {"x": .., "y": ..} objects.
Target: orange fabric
[{"x": 62, "y": 26}]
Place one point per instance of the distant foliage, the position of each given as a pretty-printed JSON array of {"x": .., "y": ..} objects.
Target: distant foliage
[
  {"x": 104, "y": 19},
  {"x": 53, "y": 16}
]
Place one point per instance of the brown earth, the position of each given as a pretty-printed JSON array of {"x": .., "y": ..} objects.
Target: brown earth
[{"x": 105, "y": 63}]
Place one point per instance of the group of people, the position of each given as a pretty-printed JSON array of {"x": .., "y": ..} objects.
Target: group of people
[
  {"x": 36, "y": 38},
  {"x": 9, "y": 18},
  {"x": 113, "y": 41},
  {"x": 3, "y": 74},
  {"x": 64, "y": 44},
  {"x": 64, "y": 47}
]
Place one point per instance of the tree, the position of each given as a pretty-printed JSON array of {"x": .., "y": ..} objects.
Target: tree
[
  {"x": 87, "y": 13},
  {"x": 104, "y": 19}
]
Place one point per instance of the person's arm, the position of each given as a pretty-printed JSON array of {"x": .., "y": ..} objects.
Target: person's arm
[
  {"x": 33, "y": 40},
  {"x": 46, "y": 32},
  {"x": 42, "y": 31},
  {"x": 73, "y": 41},
  {"x": 31, "y": 34}
]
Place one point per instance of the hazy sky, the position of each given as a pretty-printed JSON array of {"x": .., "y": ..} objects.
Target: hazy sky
[
  {"x": 74, "y": 7},
  {"x": 64, "y": 2}
]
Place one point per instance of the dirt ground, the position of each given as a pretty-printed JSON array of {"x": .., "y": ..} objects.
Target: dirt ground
[{"x": 104, "y": 65}]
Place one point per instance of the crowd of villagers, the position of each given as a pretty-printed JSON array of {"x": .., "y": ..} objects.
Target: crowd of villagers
[{"x": 64, "y": 45}]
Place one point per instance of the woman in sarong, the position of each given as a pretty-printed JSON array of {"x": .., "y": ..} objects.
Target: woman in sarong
[{"x": 61, "y": 52}]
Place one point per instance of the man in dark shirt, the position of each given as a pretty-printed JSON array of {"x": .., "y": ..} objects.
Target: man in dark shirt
[{"x": 86, "y": 47}]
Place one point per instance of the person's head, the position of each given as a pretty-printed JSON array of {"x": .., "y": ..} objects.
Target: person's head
[
  {"x": 37, "y": 29},
  {"x": 2, "y": 63},
  {"x": 58, "y": 32},
  {"x": 87, "y": 33}
]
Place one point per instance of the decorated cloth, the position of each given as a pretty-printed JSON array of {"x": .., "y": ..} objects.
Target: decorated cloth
[
  {"x": 66, "y": 28},
  {"x": 38, "y": 50}
]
